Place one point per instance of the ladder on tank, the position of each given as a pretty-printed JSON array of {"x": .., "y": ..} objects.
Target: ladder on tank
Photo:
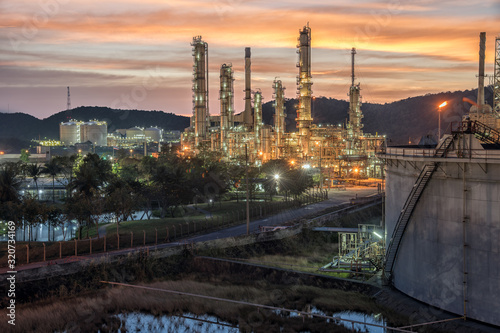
[{"x": 409, "y": 206}]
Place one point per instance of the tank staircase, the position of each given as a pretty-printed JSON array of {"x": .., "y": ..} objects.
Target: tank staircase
[
  {"x": 409, "y": 206},
  {"x": 481, "y": 131}
]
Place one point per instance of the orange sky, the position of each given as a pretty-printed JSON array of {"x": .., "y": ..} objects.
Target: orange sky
[{"x": 137, "y": 54}]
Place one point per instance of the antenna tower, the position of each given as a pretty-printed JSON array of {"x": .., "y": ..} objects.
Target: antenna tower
[{"x": 68, "y": 105}]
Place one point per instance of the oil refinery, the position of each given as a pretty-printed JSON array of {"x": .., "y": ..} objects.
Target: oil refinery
[{"x": 337, "y": 151}]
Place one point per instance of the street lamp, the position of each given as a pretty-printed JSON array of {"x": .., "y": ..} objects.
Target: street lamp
[
  {"x": 320, "y": 143},
  {"x": 439, "y": 118}
]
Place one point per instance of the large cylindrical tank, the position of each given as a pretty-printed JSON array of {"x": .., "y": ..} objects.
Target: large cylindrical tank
[
  {"x": 153, "y": 134},
  {"x": 95, "y": 132},
  {"x": 135, "y": 132},
  {"x": 449, "y": 251},
  {"x": 69, "y": 133}
]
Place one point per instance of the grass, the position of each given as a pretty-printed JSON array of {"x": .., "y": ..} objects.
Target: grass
[
  {"x": 82, "y": 303},
  {"x": 150, "y": 232},
  {"x": 305, "y": 252}
]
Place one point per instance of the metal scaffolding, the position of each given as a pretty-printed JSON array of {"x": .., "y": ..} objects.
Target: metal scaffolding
[
  {"x": 200, "y": 89},
  {"x": 304, "y": 83},
  {"x": 496, "y": 83},
  {"x": 226, "y": 103}
]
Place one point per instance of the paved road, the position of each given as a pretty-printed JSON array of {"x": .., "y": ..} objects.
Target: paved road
[{"x": 335, "y": 197}]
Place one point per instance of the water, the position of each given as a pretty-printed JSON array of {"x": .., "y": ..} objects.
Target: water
[
  {"x": 144, "y": 322},
  {"x": 40, "y": 232},
  {"x": 364, "y": 318}
]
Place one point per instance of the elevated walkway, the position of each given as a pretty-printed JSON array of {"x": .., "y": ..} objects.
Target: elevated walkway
[{"x": 481, "y": 131}]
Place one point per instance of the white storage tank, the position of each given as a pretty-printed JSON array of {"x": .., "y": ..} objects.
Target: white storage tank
[
  {"x": 95, "y": 132},
  {"x": 153, "y": 134},
  {"x": 135, "y": 132},
  {"x": 69, "y": 133}
]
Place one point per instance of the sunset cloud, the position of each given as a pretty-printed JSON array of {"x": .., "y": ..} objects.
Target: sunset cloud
[{"x": 105, "y": 49}]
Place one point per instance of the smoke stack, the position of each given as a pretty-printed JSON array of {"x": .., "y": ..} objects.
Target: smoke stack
[
  {"x": 247, "y": 116},
  {"x": 480, "y": 85}
]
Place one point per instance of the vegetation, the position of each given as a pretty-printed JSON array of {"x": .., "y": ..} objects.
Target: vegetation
[
  {"x": 82, "y": 302},
  {"x": 185, "y": 188}
]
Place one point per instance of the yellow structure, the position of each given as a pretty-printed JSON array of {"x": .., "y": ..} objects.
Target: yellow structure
[{"x": 337, "y": 151}]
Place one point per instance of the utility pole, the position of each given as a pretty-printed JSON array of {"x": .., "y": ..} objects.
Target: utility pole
[{"x": 248, "y": 189}]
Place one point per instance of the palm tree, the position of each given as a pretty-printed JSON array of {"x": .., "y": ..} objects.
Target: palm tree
[
  {"x": 34, "y": 171},
  {"x": 91, "y": 175},
  {"x": 53, "y": 168},
  {"x": 10, "y": 182}
]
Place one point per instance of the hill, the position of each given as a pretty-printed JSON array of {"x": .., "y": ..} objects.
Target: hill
[
  {"x": 23, "y": 126},
  {"x": 401, "y": 121}
]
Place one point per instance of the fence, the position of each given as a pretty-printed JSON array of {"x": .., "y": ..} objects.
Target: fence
[{"x": 51, "y": 251}]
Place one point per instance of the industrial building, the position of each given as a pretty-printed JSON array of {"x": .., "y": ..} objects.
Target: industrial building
[
  {"x": 336, "y": 150},
  {"x": 443, "y": 216},
  {"x": 75, "y": 131},
  {"x": 96, "y": 132}
]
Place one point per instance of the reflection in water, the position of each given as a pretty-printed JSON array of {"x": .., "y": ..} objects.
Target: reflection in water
[
  {"x": 143, "y": 322},
  {"x": 364, "y": 318},
  {"x": 187, "y": 323}
]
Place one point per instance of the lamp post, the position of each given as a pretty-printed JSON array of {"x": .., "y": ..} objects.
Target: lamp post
[
  {"x": 439, "y": 118},
  {"x": 320, "y": 143},
  {"x": 248, "y": 190}
]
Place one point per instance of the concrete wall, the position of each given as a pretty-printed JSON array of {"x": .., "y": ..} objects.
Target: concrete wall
[{"x": 429, "y": 266}]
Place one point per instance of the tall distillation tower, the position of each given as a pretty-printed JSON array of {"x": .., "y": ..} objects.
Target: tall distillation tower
[
  {"x": 279, "y": 114},
  {"x": 304, "y": 83},
  {"x": 248, "y": 114},
  {"x": 257, "y": 119},
  {"x": 355, "y": 115},
  {"x": 200, "y": 89},
  {"x": 226, "y": 103}
]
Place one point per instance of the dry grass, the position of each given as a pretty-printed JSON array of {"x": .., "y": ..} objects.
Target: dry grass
[{"x": 91, "y": 313}]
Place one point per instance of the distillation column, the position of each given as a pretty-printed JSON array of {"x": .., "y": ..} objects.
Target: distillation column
[
  {"x": 480, "y": 84},
  {"x": 248, "y": 114},
  {"x": 355, "y": 115},
  {"x": 226, "y": 103},
  {"x": 304, "y": 83},
  {"x": 200, "y": 89},
  {"x": 496, "y": 83},
  {"x": 257, "y": 124},
  {"x": 279, "y": 114}
]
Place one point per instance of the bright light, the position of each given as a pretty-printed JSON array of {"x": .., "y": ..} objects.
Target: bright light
[
  {"x": 292, "y": 162},
  {"x": 377, "y": 235},
  {"x": 356, "y": 170},
  {"x": 306, "y": 166},
  {"x": 260, "y": 153},
  {"x": 276, "y": 176},
  {"x": 443, "y": 104}
]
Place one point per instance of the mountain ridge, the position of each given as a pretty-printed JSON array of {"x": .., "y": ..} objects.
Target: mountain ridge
[{"x": 402, "y": 121}]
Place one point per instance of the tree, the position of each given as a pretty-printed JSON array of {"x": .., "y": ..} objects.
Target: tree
[
  {"x": 91, "y": 174},
  {"x": 25, "y": 155},
  {"x": 56, "y": 218},
  {"x": 68, "y": 164},
  {"x": 121, "y": 200},
  {"x": 34, "y": 213},
  {"x": 53, "y": 168},
  {"x": 10, "y": 182},
  {"x": 34, "y": 171}
]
